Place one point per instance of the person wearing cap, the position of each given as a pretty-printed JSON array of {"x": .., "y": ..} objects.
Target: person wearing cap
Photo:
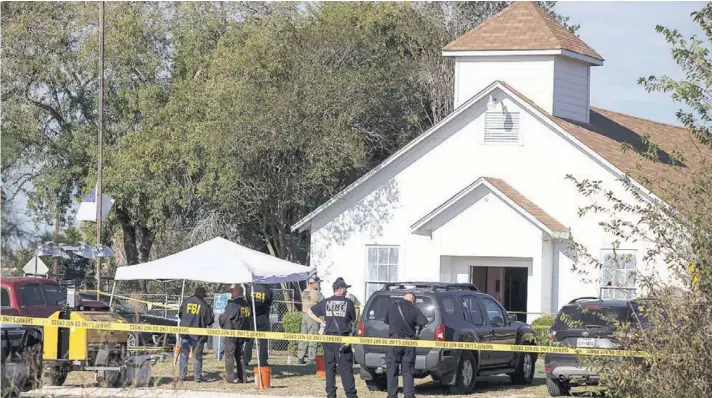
[
  {"x": 310, "y": 296},
  {"x": 194, "y": 312},
  {"x": 338, "y": 312},
  {"x": 357, "y": 307}
]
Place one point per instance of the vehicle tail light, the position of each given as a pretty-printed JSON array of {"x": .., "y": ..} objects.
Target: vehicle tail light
[
  {"x": 360, "y": 329},
  {"x": 440, "y": 332}
]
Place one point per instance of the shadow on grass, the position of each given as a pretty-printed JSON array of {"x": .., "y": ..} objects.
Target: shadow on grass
[
  {"x": 287, "y": 371},
  {"x": 218, "y": 376},
  {"x": 483, "y": 385}
]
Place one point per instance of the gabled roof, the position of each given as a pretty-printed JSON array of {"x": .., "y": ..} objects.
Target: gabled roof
[
  {"x": 607, "y": 131},
  {"x": 509, "y": 195},
  {"x": 415, "y": 142},
  {"x": 521, "y": 26},
  {"x": 601, "y": 139}
]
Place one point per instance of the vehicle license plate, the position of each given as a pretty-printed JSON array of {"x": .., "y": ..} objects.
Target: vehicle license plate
[{"x": 585, "y": 343}]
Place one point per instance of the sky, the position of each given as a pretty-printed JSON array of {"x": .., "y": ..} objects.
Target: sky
[{"x": 624, "y": 34}]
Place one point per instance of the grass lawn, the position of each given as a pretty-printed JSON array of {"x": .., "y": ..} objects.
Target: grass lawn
[{"x": 300, "y": 380}]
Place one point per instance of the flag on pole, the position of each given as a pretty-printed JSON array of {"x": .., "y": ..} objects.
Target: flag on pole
[{"x": 87, "y": 209}]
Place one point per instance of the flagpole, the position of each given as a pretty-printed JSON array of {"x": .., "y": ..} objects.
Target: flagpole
[{"x": 100, "y": 140}]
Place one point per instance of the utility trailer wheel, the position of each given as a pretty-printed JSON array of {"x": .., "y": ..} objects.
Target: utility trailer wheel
[{"x": 112, "y": 378}]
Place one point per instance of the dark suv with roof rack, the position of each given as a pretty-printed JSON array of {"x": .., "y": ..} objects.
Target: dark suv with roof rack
[
  {"x": 587, "y": 322},
  {"x": 455, "y": 312}
]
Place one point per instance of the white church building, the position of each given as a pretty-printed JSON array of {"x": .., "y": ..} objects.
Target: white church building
[{"x": 483, "y": 196}]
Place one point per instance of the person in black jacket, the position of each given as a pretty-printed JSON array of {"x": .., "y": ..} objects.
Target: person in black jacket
[
  {"x": 237, "y": 316},
  {"x": 195, "y": 312},
  {"x": 338, "y": 312},
  {"x": 262, "y": 297},
  {"x": 402, "y": 318}
]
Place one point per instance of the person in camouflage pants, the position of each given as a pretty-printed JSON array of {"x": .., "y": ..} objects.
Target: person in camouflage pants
[{"x": 310, "y": 296}]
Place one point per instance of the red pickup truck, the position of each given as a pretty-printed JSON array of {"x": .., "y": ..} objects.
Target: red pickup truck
[{"x": 37, "y": 297}]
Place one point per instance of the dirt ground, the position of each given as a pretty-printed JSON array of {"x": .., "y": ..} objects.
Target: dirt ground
[{"x": 300, "y": 380}]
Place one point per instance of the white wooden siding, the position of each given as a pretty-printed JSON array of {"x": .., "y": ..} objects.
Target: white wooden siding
[
  {"x": 571, "y": 89},
  {"x": 501, "y": 128},
  {"x": 442, "y": 167},
  {"x": 531, "y": 75}
]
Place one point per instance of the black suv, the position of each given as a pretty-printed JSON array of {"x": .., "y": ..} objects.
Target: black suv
[
  {"x": 587, "y": 322},
  {"x": 455, "y": 312}
]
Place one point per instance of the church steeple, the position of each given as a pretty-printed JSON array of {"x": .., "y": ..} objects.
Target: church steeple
[{"x": 527, "y": 48}]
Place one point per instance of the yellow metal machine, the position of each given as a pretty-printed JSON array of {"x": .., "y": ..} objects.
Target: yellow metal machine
[{"x": 69, "y": 349}]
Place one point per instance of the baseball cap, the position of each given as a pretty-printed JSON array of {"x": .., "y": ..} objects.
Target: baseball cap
[
  {"x": 314, "y": 279},
  {"x": 339, "y": 283}
]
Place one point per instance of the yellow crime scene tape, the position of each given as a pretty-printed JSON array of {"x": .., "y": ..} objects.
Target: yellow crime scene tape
[{"x": 453, "y": 345}]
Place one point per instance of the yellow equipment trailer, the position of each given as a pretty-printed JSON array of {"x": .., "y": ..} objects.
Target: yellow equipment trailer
[{"x": 69, "y": 349}]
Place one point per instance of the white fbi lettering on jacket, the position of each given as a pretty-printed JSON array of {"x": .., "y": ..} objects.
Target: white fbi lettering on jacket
[{"x": 336, "y": 308}]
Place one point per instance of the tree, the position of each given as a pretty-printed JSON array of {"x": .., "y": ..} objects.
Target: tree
[
  {"x": 50, "y": 93},
  {"x": 429, "y": 26},
  {"x": 298, "y": 104},
  {"x": 50, "y": 101},
  {"x": 222, "y": 119},
  {"x": 678, "y": 228}
]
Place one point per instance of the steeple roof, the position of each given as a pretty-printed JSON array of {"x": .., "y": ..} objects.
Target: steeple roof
[{"x": 521, "y": 26}]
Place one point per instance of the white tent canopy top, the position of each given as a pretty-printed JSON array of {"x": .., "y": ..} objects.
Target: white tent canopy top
[{"x": 217, "y": 261}]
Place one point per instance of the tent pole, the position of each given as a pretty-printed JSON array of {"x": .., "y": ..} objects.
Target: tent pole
[
  {"x": 179, "y": 343},
  {"x": 111, "y": 298},
  {"x": 254, "y": 320}
]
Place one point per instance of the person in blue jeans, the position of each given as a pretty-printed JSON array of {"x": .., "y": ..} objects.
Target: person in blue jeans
[{"x": 195, "y": 312}]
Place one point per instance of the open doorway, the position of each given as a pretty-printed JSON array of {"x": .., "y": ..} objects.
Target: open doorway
[
  {"x": 515, "y": 286},
  {"x": 508, "y": 285}
]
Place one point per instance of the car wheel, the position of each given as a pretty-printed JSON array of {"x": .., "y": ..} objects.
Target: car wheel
[
  {"x": 556, "y": 388},
  {"x": 466, "y": 374},
  {"x": 377, "y": 384},
  {"x": 132, "y": 341},
  {"x": 524, "y": 371}
]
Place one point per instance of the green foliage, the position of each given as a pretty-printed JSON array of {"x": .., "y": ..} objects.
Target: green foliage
[
  {"x": 693, "y": 57},
  {"x": 541, "y": 325},
  {"x": 679, "y": 235},
  {"x": 292, "y": 323},
  {"x": 221, "y": 119}
]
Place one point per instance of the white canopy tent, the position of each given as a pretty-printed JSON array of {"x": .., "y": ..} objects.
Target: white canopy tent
[{"x": 217, "y": 261}]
